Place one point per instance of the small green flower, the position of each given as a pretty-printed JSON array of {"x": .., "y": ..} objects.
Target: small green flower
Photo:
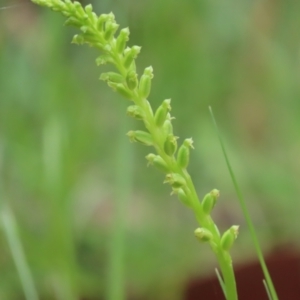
[
  {"x": 132, "y": 80},
  {"x": 110, "y": 29},
  {"x": 112, "y": 77},
  {"x": 135, "y": 112},
  {"x": 167, "y": 127},
  {"x": 170, "y": 145},
  {"x": 203, "y": 235},
  {"x": 158, "y": 162},
  {"x": 122, "y": 39},
  {"x": 145, "y": 83},
  {"x": 183, "y": 197},
  {"x": 140, "y": 136},
  {"x": 175, "y": 180},
  {"x": 121, "y": 89},
  {"x": 210, "y": 200},
  {"x": 229, "y": 237},
  {"x": 130, "y": 54},
  {"x": 161, "y": 112},
  {"x": 183, "y": 156}
]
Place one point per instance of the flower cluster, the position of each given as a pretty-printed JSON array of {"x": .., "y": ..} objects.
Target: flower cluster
[{"x": 169, "y": 157}]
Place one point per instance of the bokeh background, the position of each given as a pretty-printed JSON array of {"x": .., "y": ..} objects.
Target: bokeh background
[{"x": 90, "y": 216}]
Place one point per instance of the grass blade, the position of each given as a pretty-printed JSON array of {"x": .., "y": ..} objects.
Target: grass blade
[
  {"x": 123, "y": 185},
  {"x": 267, "y": 290},
  {"x": 10, "y": 230},
  {"x": 246, "y": 214},
  {"x": 222, "y": 284}
]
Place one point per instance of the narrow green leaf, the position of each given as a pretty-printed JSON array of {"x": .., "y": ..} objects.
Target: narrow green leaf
[{"x": 246, "y": 214}]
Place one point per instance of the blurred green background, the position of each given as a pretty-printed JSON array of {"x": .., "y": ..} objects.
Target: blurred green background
[{"x": 87, "y": 208}]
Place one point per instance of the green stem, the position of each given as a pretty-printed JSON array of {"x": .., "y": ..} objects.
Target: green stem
[{"x": 223, "y": 257}]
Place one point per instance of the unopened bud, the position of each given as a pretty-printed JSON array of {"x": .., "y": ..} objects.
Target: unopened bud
[
  {"x": 183, "y": 197},
  {"x": 112, "y": 77},
  {"x": 158, "y": 162},
  {"x": 140, "y": 136},
  {"x": 145, "y": 83},
  {"x": 130, "y": 54},
  {"x": 203, "y": 234},
  {"x": 135, "y": 112},
  {"x": 79, "y": 9},
  {"x": 110, "y": 29},
  {"x": 78, "y": 39},
  {"x": 103, "y": 59},
  {"x": 168, "y": 127},
  {"x": 122, "y": 39},
  {"x": 103, "y": 19},
  {"x": 71, "y": 21},
  {"x": 121, "y": 89},
  {"x": 210, "y": 200},
  {"x": 88, "y": 8},
  {"x": 183, "y": 156},
  {"x": 229, "y": 237},
  {"x": 175, "y": 180},
  {"x": 131, "y": 80},
  {"x": 161, "y": 112},
  {"x": 170, "y": 145}
]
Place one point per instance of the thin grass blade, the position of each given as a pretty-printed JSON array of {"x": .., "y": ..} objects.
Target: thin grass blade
[
  {"x": 222, "y": 284},
  {"x": 246, "y": 214},
  {"x": 267, "y": 290},
  {"x": 10, "y": 230}
]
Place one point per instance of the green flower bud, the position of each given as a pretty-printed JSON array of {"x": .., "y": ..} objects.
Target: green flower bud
[
  {"x": 69, "y": 4},
  {"x": 142, "y": 137},
  {"x": 79, "y": 10},
  {"x": 175, "y": 180},
  {"x": 103, "y": 59},
  {"x": 203, "y": 234},
  {"x": 122, "y": 39},
  {"x": 89, "y": 11},
  {"x": 130, "y": 55},
  {"x": 135, "y": 112},
  {"x": 168, "y": 127},
  {"x": 183, "y": 156},
  {"x": 210, "y": 200},
  {"x": 183, "y": 197},
  {"x": 106, "y": 47},
  {"x": 112, "y": 77},
  {"x": 131, "y": 80},
  {"x": 145, "y": 83},
  {"x": 229, "y": 237},
  {"x": 71, "y": 21},
  {"x": 158, "y": 162},
  {"x": 61, "y": 7},
  {"x": 149, "y": 107},
  {"x": 84, "y": 29},
  {"x": 132, "y": 67},
  {"x": 161, "y": 112},
  {"x": 78, "y": 39},
  {"x": 110, "y": 29},
  {"x": 121, "y": 89},
  {"x": 88, "y": 8},
  {"x": 170, "y": 145},
  {"x": 102, "y": 19}
]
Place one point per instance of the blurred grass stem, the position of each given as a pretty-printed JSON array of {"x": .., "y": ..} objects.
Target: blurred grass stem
[
  {"x": 123, "y": 183},
  {"x": 245, "y": 211},
  {"x": 10, "y": 230}
]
